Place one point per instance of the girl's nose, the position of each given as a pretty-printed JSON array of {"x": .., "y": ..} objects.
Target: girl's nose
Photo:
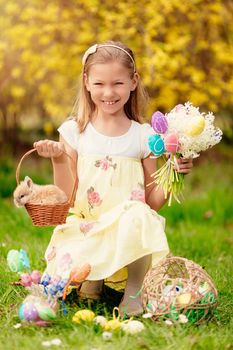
[{"x": 108, "y": 91}]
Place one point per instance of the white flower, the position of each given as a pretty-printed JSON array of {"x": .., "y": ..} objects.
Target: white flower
[
  {"x": 182, "y": 119},
  {"x": 107, "y": 335},
  {"x": 46, "y": 343},
  {"x": 183, "y": 319},
  {"x": 56, "y": 341},
  {"x": 168, "y": 322},
  {"x": 147, "y": 315},
  {"x": 17, "y": 325}
]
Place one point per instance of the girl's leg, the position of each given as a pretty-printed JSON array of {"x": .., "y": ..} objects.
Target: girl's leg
[
  {"x": 91, "y": 290},
  {"x": 131, "y": 303}
]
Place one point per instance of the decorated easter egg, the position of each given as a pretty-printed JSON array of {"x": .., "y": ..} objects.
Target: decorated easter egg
[
  {"x": 171, "y": 143},
  {"x": 83, "y": 316},
  {"x": 23, "y": 258},
  {"x": 196, "y": 126},
  {"x": 178, "y": 108},
  {"x": 159, "y": 122},
  {"x": 35, "y": 276},
  {"x": 133, "y": 326},
  {"x": 184, "y": 299},
  {"x": 45, "y": 312},
  {"x": 30, "y": 312},
  {"x": 101, "y": 320},
  {"x": 21, "y": 312},
  {"x": 156, "y": 145},
  {"x": 13, "y": 261},
  {"x": 112, "y": 325},
  {"x": 26, "y": 279}
]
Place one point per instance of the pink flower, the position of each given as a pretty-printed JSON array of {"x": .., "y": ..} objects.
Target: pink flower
[
  {"x": 93, "y": 197},
  {"x": 65, "y": 261},
  {"x": 86, "y": 226},
  {"x": 104, "y": 164},
  {"x": 138, "y": 195}
]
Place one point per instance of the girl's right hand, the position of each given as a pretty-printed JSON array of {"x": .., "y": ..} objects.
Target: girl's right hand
[{"x": 49, "y": 148}]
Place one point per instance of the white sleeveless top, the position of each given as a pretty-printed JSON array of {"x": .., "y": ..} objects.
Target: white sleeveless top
[{"x": 133, "y": 144}]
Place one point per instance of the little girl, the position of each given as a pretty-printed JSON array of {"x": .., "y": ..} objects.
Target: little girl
[{"x": 114, "y": 225}]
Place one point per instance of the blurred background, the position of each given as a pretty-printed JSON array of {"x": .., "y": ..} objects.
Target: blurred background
[{"x": 183, "y": 52}]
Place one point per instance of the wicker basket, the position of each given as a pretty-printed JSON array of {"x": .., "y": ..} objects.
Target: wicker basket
[
  {"x": 177, "y": 286},
  {"x": 47, "y": 214}
]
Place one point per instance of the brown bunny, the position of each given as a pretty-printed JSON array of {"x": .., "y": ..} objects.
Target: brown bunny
[{"x": 28, "y": 192}]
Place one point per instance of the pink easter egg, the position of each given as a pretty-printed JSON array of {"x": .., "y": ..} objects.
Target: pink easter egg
[
  {"x": 171, "y": 143},
  {"x": 179, "y": 108},
  {"x": 159, "y": 122},
  {"x": 26, "y": 279},
  {"x": 35, "y": 276}
]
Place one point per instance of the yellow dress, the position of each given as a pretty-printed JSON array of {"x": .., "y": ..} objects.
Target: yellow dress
[{"x": 110, "y": 225}]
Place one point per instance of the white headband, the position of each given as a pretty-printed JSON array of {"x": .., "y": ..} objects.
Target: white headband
[{"x": 94, "y": 48}]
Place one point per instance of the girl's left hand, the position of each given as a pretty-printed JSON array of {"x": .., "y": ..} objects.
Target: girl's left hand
[{"x": 185, "y": 165}]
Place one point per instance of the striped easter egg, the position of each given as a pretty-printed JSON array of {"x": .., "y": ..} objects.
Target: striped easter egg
[
  {"x": 159, "y": 122},
  {"x": 156, "y": 145},
  {"x": 171, "y": 143}
]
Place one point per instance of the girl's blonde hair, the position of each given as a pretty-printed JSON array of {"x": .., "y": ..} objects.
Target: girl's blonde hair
[{"x": 84, "y": 106}]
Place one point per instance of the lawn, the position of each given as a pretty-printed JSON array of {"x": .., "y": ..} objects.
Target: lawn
[{"x": 200, "y": 229}]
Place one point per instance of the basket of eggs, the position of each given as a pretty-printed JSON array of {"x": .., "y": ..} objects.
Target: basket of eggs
[{"x": 177, "y": 286}]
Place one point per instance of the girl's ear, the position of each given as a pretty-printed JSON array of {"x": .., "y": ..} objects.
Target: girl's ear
[
  {"x": 85, "y": 79},
  {"x": 135, "y": 81}
]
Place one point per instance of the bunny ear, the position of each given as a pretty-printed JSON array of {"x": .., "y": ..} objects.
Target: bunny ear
[{"x": 28, "y": 181}]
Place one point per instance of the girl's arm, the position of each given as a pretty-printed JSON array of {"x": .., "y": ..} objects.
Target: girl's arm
[
  {"x": 155, "y": 197},
  {"x": 64, "y": 168}
]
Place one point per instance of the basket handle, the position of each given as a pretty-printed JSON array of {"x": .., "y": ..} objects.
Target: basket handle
[{"x": 72, "y": 197}]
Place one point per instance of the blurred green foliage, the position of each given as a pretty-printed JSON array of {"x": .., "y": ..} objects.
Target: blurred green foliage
[
  {"x": 183, "y": 53},
  {"x": 39, "y": 169}
]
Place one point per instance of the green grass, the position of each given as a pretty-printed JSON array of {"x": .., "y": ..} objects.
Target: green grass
[{"x": 200, "y": 229}]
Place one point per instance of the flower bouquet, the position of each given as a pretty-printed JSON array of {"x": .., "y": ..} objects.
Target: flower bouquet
[{"x": 183, "y": 132}]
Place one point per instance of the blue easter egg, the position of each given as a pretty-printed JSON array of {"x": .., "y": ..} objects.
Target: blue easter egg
[
  {"x": 23, "y": 257},
  {"x": 21, "y": 312},
  {"x": 159, "y": 122},
  {"x": 156, "y": 145}
]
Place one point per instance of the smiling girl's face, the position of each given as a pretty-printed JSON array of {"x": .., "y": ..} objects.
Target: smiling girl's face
[{"x": 110, "y": 85}]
